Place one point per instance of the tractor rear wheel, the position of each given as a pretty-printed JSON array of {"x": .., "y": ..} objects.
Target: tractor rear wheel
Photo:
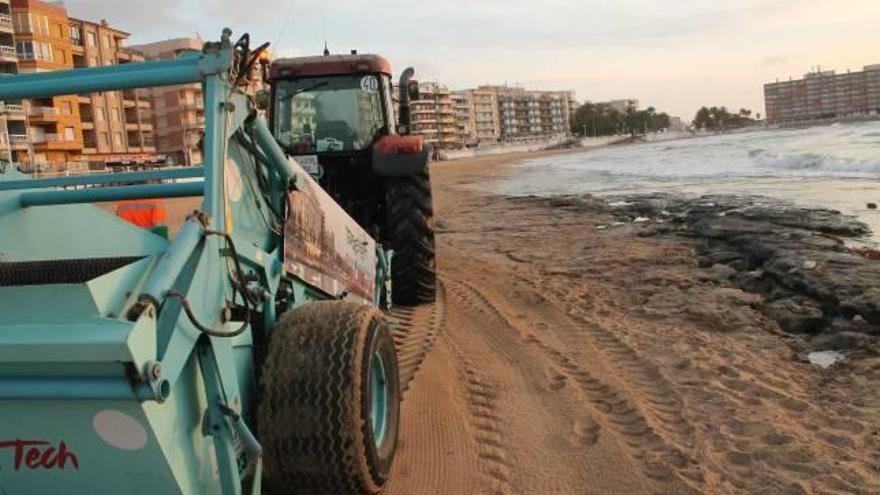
[
  {"x": 330, "y": 401},
  {"x": 410, "y": 231}
]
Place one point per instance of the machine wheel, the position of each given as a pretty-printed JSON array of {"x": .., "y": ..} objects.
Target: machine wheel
[
  {"x": 330, "y": 401},
  {"x": 410, "y": 231}
]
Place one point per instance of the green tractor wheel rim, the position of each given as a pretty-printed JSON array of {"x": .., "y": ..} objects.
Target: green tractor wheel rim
[{"x": 379, "y": 393}]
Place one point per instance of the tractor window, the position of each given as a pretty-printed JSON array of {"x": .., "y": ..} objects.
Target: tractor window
[{"x": 340, "y": 113}]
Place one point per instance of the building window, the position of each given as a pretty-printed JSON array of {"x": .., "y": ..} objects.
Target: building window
[
  {"x": 92, "y": 40},
  {"x": 21, "y": 23},
  {"x": 117, "y": 139},
  {"x": 29, "y": 50},
  {"x": 45, "y": 52},
  {"x": 24, "y": 23},
  {"x": 101, "y": 114},
  {"x": 104, "y": 140},
  {"x": 25, "y": 50},
  {"x": 69, "y": 134},
  {"x": 105, "y": 40},
  {"x": 76, "y": 35}
]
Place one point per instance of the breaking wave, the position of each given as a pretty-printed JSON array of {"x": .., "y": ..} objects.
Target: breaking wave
[{"x": 813, "y": 162}]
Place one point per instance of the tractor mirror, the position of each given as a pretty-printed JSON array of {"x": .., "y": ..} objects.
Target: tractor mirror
[{"x": 412, "y": 88}]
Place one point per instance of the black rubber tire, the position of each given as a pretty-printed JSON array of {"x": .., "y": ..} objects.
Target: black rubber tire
[
  {"x": 314, "y": 419},
  {"x": 410, "y": 231}
]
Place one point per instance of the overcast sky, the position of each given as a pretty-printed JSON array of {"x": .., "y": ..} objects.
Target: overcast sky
[{"x": 676, "y": 54}]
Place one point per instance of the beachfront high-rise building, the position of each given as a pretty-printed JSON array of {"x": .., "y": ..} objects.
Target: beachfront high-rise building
[
  {"x": 71, "y": 130},
  {"x": 486, "y": 123},
  {"x": 504, "y": 113},
  {"x": 824, "y": 95},
  {"x": 434, "y": 117},
  {"x": 623, "y": 105},
  {"x": 115, "y": 124},
  {"x": 42, "y": 43},
  {"x": 482, "y": 107},
  {"x": 464, "y": 116},
  {"x": 178, "y": 112},
  {"x": 13, "y": 122},
  {"x": 524, "y": 115}
]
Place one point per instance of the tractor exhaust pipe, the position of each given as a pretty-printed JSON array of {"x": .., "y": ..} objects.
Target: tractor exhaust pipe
[{"x": 405, "y": 93}]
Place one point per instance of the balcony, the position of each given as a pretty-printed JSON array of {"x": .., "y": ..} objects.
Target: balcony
[
  {"x": 14, "y": 111},
  {"x": 8, "y": 54},
  {"x": 46, "y": 138},
  {"x": 43, "y": 113},
  {"x": 198, "y": 105},
  {"x": 18, "y": 141},
  {"x": 6, "y": 23},
  {"x": 52, "y": 141}
]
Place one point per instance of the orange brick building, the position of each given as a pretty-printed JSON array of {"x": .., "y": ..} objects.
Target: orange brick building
[{"x": 42, "y": 40}]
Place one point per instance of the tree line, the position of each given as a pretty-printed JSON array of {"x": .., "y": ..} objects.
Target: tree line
[
  {"x": 601, "y": 119},
  {"x": 720, "y": 119}
]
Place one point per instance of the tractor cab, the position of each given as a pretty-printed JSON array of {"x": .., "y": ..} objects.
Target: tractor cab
[
  {"x": 335, "y": 115},
  {"x": 332, "y": 104}
]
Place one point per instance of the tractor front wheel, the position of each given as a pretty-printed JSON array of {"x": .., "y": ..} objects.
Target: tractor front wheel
[{"x": 330, "y": 401}]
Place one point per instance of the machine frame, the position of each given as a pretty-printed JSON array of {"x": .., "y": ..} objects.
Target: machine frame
[{"x": 174, "y": 327}]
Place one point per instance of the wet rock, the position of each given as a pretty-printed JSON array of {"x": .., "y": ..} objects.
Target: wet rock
[
  {"x": 795, "y": 257},
  {"x": 721, "y": 273},
  {"x": 796, "y": 314},
  {"x": 866, "y": 305},
  {"x": 841, "y": 341}
]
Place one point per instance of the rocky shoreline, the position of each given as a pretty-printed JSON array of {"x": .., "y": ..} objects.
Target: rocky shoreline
[{"x": 800, "y": 261}]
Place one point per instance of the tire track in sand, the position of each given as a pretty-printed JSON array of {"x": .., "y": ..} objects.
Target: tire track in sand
[
  {"x": 455, "y": 443},
  {"x": 616, "y": 410},
  {"x": 481, "y": 398},
  {"x": 645, "y": 379},
  {"x": 415, "y": 329}
]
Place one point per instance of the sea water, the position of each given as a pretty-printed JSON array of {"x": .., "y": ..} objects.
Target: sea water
[{"x": 835, "y": 166}]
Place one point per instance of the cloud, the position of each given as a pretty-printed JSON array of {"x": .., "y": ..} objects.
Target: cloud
[
  {"x": 773, "y": 61},
  {"x": 680, "y": 53}
]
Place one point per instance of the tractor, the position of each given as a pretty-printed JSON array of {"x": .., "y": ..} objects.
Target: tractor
[
  {"x": 248, "y": 351},
  {"x": 335, "y": 115}
]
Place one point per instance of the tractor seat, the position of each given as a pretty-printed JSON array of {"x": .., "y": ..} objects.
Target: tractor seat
[{"x": 335, "y": 129}]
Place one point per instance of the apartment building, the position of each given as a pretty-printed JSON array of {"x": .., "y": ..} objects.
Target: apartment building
[
  {"x": 504, "y": 113},
  {"x": 524, "y": 114},
  {"x": 178, "y": 112},
  {"x": 477, "y": 115},
  {"x": 621, "y": 106},
  {"x": 434, "y": 117},
  {"x": 42, "y": 43},
  {"x": 116, "y": 125},
  {"x": 824, "y": 95},
  {"x": 464, "y": 116},
  {"x": 13, "y": 122}
]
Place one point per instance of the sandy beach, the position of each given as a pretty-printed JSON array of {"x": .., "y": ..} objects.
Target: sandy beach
[{"x": 568, "y": 359}]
